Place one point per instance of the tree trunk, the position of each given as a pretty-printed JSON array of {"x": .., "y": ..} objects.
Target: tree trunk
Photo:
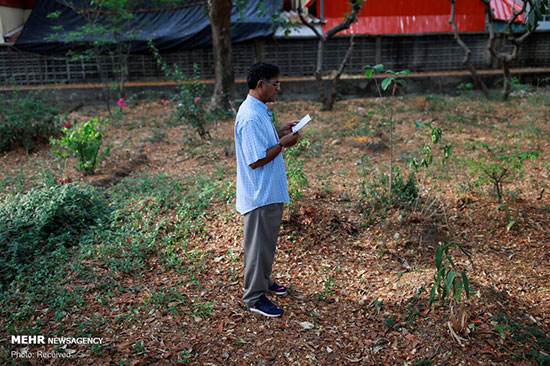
[
  {"x": 506, "y": 73},
  {"x": 328, "y": 103},
  {"x": 219, "y": 13},
  {"x": 356, "y": 6},
  {"x": 319, "y": 69},
  {"x": 123, "y": 63}
]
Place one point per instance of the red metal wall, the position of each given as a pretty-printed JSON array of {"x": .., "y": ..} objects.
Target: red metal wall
[{"x": 402, "y": 16}]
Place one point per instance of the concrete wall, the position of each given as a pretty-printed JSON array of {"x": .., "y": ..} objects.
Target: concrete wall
[{"x": 292, "y": 89}]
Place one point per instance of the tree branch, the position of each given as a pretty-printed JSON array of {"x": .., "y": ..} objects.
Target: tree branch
[
  {"x": 346, "y": 57},
  {"x": 514, "y": 17},
  {"x": 507, "y": 58},
  {"x": 467, "y": 52},
  {"x": 329, "y": 102},
  {"x": 304, "y": 22},
  {"x": 356, "y": 6}
]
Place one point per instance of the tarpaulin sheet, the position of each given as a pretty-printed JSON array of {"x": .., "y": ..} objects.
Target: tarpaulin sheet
[{"x": 177, "y": 27}]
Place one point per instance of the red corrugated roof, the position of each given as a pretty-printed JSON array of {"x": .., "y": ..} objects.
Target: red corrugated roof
[
  {"x": 405, "y": 24},
  {"x": 504, "y": 9},
  {"x": 405, "y": 16}
]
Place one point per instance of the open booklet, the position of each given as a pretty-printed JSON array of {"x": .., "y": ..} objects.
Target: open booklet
[{"x": 304, "y": 121}]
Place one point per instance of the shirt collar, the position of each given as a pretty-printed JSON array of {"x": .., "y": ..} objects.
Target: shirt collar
[{"x": 258, "y": 103}]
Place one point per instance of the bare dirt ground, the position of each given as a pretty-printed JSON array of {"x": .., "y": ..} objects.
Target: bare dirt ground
[{"x": 360, "y": 279}]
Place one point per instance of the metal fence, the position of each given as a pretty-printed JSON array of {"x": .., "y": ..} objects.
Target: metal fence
[{"x": 295, "y": 57}]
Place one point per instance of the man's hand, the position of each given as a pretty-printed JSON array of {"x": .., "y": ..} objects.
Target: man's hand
[
  {"x": 290, "y": 139},
  {"x": 287, "y": 129}
]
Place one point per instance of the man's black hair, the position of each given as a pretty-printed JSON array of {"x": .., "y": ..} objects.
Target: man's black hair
[{"x": 261, "y": 71}]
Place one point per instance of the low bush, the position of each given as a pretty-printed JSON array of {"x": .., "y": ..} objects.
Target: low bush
[
  {"x": 500, "y": 164},
  {"x": 404, "y": 191},
  {"x": 189, "y": 91},
  {"x": 25, "y": 121},
  {"x": 42, "y": 221},
  {"x": 83, "y": 141},
  {"x": 297, "y": 179}
]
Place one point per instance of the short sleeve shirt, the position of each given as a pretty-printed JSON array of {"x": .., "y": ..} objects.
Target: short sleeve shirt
[{"x": 254, "y": 134}]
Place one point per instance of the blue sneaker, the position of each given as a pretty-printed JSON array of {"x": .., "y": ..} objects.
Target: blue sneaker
[
  {"x": 278, "y": 289},
  {"x": 265, "y": 307}
]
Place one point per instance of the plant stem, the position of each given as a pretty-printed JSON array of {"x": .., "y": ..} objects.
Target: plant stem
[{"x": 391, "y": 139}]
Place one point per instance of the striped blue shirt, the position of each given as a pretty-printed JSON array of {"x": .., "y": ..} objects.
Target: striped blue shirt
[{"x": 254, "y": 134}]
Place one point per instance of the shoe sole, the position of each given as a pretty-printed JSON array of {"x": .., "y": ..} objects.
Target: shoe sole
[
  {"x": 280, "y": 293},
  {"x": 265, "y": 314}
]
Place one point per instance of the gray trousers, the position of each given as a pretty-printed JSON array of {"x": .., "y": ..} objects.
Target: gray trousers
[{"x": 261, "y": 228}]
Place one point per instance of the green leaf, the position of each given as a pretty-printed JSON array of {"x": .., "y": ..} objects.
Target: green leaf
[
  {"x": 379, "y": 67},
  {"x": 450, "y": 278},
  {"x": 369, "y": 72},
  {"x": 401, "y": 82},
  {"x": 458, "y": 289},
  {"x": 509, "y": 226},
  {"x": 386, "y": 82},
  {"x": 427, "y": 149},
  {"x": 413, "y": 164},
  {"x": 54, "y": 15},
  {"x": 438, "y": 256},
  {"x": 450, "y": 259},
  {"x": 436, "y": 135},
  {"x": 445, "y": 291},
  {"x": 466, "y": 284},
  {"x": 432, "y": 294}
]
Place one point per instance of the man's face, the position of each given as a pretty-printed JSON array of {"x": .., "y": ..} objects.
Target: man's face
[{"x": 268, "y": 89}]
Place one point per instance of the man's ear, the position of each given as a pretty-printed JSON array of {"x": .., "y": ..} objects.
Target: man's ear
[{"x": 260, "y": 84}]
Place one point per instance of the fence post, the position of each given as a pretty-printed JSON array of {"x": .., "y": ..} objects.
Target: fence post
[
  {"x": 378, "y": 51},
  {"x": 259, "y": 49}
]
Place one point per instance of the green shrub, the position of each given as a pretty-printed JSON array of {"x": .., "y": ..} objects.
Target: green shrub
[
  {"x": 83, "y": 141},
  {"x": 25, "y": 121},
  {"x": 42, "y": 221},
  {"x": 449, "y": 282},
  {"x": 191, "y": 109},
  {"x": 499, "y": 164},
  {"x": 404, "y": 191},
  {"x": 297, "y": 179},
  {"x": 189, "y": 91}
]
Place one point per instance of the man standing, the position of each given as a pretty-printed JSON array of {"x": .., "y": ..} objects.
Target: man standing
[{"x": 261, "y": 185}]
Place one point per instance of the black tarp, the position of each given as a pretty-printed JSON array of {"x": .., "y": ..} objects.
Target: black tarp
[{"x": 181, "y": 26}]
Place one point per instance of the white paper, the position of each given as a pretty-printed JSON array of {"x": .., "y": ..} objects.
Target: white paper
[{"x": 304, "y": 121}]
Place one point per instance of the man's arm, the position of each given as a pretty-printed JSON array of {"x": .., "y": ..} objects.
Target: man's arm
[{"x": 270, "y": 154}]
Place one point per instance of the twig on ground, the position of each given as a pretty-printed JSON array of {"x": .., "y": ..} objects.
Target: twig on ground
[{"x": 455, "y": 336}]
